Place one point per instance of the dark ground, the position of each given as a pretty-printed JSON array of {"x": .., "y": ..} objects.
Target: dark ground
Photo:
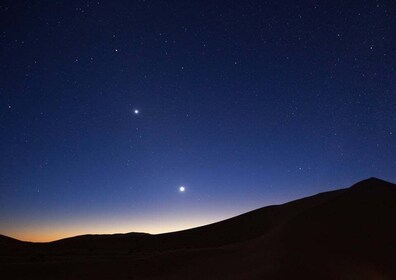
[{"x": 343, "y": 234}]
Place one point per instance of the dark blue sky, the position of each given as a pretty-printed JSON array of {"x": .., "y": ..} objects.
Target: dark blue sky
[{"x": 245, "y": 103}]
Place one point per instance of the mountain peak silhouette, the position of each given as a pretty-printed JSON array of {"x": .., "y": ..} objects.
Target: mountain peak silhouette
[{"x": 372, "y": 183}]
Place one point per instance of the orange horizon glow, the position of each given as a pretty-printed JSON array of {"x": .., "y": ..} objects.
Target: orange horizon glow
[
  {"x": 46, "y": 233},
  {"x": 54, "y": 235},
  {"x": 48, "y": 230}
]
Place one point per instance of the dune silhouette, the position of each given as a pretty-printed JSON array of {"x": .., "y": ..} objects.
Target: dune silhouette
[{"x": 344, "y": 234}]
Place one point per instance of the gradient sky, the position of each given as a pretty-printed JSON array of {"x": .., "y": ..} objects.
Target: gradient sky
[{"x": 245, "y": 103}]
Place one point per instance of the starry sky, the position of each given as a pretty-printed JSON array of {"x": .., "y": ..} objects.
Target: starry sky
[{"x": 244, "y": 103}]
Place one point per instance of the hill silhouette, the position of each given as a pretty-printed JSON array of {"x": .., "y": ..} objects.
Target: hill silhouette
[{"x": 343, "y": 234}]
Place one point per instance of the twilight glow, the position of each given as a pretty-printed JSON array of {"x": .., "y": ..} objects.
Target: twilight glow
[{"x": 107, "y": 107}]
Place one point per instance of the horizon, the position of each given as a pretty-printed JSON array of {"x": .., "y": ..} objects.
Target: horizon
[
  {"x": 176, "y": 229},
  {"x": 162, "y": 115}
]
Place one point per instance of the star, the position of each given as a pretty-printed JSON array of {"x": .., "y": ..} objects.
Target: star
[
  {"x": 182, "y": 189},
  {"x": 136, "y": 111}
]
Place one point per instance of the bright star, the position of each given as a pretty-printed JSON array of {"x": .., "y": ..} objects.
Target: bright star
[
  {"x": 136, "y": 111},
  {"x": 182, "y": 189}
]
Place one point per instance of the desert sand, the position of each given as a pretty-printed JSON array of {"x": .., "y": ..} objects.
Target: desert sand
[{"x": 343, "y": 234}]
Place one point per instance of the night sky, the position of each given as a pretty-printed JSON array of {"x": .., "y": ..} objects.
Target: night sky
[{"x": 244, "y": 103}]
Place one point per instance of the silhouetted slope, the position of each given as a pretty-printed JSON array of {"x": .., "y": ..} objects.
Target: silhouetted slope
[
  {"x": 350, "y": 234},
  {"x": 343, "y": 234},
  {"x": 356, "y": 230},
  {"x": 237, "y": 229},
  {"x": 6, "y": 241}
]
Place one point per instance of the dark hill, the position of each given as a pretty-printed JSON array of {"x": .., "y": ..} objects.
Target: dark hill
[
  {"x": 237, "y": 229},
  {"x": 6, "y": 241},
  {"x": 343, "y": 234}
]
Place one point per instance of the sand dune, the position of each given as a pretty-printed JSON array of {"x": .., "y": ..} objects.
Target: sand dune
[{"x": 344, "y": 234}]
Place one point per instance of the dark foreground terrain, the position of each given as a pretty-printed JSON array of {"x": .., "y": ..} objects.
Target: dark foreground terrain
[{"x": 344, "y": 234}]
